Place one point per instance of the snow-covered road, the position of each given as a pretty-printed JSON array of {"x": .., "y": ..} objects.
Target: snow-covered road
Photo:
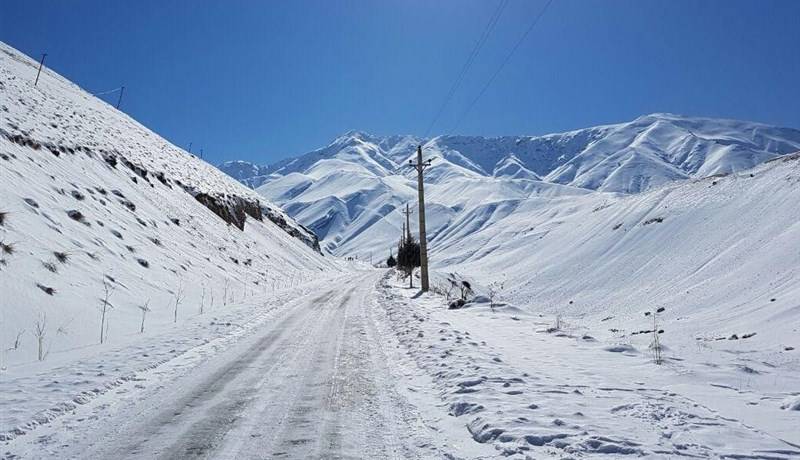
[
  {"x": 314, "y": 382},
  {"x": 356, "y": 365}
]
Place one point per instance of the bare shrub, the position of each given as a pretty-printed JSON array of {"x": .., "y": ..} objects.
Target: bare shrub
[
  {"x": 7, "y": 248},
  {"x": 494, "y": 291},
  {"x": 62, "y": 257},
  {"x": 50, "y": 266}
]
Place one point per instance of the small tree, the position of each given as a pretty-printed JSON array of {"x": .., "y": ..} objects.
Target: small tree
[
  {"x": 40, "y": 332},
  {"x": 408, "y": 258},
  {"x": 391, "y": 262},
  {"x": 144, "y": 308},
  {"x": 105, "y": 306}
]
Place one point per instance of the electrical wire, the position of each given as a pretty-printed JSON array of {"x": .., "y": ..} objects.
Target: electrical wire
[
  {"x": 470, "y": 59},
  {"x": 502, "y": 65}
]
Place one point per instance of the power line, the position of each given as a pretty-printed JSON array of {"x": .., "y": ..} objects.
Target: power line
[
  {"x": 107, "y": 92},
  {"x": 470, "y": 59},
  {"x": 502, "y": 64}
]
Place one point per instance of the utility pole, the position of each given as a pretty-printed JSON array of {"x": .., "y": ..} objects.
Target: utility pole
[
  {"x": 423, "y": 243},
  {"x": 407, "y": 232},
  {"x": 41, "y": 64},
  {"x": 190, "y": 147},
  {"x": 121, "y": 92}
]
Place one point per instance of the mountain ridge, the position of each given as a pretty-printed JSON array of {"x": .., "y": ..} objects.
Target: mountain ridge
[{"x": 352, "y": 189}]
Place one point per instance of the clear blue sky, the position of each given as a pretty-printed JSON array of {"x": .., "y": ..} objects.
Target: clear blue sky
[{"x": 262, "y": 80}]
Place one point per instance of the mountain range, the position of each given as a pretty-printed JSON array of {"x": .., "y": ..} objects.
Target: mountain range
[{"x": 350, "y": 193}]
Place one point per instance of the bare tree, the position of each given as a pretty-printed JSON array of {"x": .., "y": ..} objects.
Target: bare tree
[
  {"x": 495, "y": 289},
  {"x": 178, "y": 299},
  {"x": 211, "y": 299},
  {"x": 40, "y": 332},
  {"x": 105, "y": 306},
  {"x": 225, "y": 294},
  {"x": 144, "y": 308}
]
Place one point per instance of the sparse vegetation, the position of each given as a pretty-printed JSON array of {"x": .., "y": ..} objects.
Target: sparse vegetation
[
  {"x": 144, "y": 309},
  {"x": 178, "y": 299},
  {"x": 105, "y": 306},
  {"x": 40, "y": 332},
  {"x": 655, "y": 345},
  {"x": 7, "y": 248},
  {"x": 50, "y": 266},
  {"x": 494, "y": 291}
]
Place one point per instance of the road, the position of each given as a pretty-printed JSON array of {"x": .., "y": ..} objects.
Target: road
[{"x": 314, "y": 383}]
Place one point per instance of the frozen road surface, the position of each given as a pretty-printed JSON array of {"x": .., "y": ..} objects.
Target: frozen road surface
[
  {"x": 359, "y": 366},
  {"x": 314, "y": 382}
]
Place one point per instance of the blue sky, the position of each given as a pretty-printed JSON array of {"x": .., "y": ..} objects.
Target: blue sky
[{"x": 262, "y": 80}]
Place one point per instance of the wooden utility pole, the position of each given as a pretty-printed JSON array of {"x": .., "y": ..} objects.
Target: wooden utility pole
[
  {"x": 407, "y": 232},
  {"x": 121, "y": 92},
  {"x": 423, "y": 242},
  {"x": 41, "y": 64}
]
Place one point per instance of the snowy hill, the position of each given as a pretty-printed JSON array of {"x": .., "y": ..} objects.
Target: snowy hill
[
  {"x": 350, "y": 192},
  {"x": 91, "y": 199}
]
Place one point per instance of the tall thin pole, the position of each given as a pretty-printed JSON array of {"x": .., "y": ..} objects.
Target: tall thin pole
[
  {"x": 121, "y": 92},
  {"x": 41, "y": 64},
  {"x": 423, "y": 242},
  {"x": 407, "y": 232}
]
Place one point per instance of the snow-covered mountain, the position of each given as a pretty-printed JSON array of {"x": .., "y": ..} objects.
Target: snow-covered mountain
[
  {"x": 90, "y": 199},
  {"x": 351, "y": 191}
]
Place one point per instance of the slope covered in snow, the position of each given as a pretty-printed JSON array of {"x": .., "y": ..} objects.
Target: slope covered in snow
[
  {"x": 93, "y": 201},
  {"x": 352, "y": 191},
  {"x": 564, "y": 360}
]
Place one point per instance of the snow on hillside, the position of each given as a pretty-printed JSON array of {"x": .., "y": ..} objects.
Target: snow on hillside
[
  {"x": 93, "y": 201},
  {"x": 561, "y": 365},
  {"x": 352, "y": 191}
]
